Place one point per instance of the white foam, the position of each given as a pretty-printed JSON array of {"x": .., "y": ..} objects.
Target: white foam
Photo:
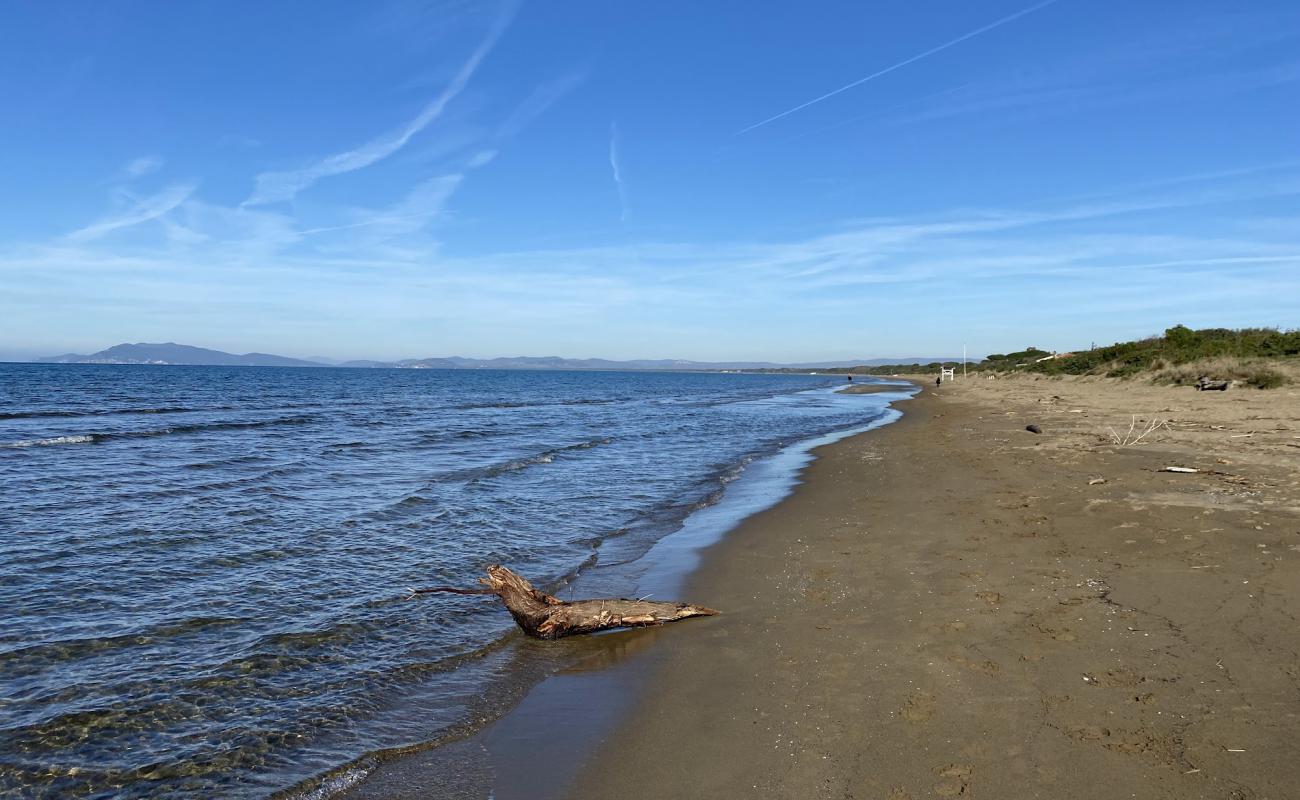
[{"x": 83, "y": 439}]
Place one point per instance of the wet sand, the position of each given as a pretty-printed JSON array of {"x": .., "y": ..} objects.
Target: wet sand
[
  {"x": 954, "y": 606},
  {"x": 867, "y": 388}
]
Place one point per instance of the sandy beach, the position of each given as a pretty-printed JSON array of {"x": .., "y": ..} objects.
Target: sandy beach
[{"x": 955, "y": 606}]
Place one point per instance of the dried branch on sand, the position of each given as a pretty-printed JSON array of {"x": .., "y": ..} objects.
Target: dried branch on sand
[
  {"x": 1134, "y": 435},
  {"x": 546, "y": 617}
]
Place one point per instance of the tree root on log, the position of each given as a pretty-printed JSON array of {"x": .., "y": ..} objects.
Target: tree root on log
[{"x": 546, "y": 617}]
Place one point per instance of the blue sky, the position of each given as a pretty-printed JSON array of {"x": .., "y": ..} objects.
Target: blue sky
[{"x": 697, "y": 180}]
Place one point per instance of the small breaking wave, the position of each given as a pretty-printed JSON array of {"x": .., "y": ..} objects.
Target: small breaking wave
[
  {"x": 198, "y": 427},
  {"x": 544, "y": 457},
  {"x": 89, "y": 438},
  {"x": 475, "y": 474},
  {"x": 332, "y": 784}
]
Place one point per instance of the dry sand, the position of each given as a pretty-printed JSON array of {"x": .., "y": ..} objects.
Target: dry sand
[{"x": 953, "y": 606}]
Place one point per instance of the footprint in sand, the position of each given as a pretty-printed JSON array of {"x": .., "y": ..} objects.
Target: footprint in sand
[
  {"x": 985, "y": 666},
  {"x": 992, "y": 598},
  {"x": 919, "y": 707},
  {"x": 1060, "y": 635},
  {"x": 1122, "y": 677},
  {"x": 1141, "y": 741},
  {"x": 947, "y": 627},
  {"x": 1088, "y": 733},
  {"x": 956, "y": 780}
]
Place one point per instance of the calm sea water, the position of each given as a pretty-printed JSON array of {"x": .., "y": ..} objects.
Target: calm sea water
[{"x": 202, "y": 569}]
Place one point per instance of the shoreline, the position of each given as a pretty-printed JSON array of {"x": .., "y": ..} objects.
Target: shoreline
[
  {"x": 481, "y": 762},
  {"x": 953, "y": 606}
]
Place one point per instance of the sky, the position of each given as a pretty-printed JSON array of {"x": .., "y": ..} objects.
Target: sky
[{"x": 712, "y": 181}]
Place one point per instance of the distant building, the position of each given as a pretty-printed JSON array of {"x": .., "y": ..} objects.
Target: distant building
[{"x": 1052, "y": 357}]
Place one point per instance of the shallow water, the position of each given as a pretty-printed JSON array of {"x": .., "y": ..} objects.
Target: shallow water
[{"x": 203, "y": 567}]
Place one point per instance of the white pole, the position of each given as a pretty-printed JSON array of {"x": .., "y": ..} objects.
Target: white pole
[{"x": 963, "y": 359}]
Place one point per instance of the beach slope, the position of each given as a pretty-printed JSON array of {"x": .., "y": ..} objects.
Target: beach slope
[{"x": 955, "y": 606}]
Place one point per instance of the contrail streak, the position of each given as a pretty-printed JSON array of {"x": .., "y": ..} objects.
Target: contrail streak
[
  {"x": 972, "y": 34},
  {"x": 366, "y": 223},
  {"x": 275, "y": 187},
  {"x": 617, "y": 170}
]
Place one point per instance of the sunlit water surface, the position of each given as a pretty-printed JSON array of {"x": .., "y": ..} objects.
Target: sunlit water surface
[{"x": 203, "y": 568}]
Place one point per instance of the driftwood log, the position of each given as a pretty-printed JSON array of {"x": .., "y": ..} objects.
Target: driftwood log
[{"x": 547, "y": 617}]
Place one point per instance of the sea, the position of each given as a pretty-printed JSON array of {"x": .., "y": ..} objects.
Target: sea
[{"x": 205, "y": 571}]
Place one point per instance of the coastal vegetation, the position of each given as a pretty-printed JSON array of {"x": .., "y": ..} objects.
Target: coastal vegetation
[{"x": 1258, "y": 357}]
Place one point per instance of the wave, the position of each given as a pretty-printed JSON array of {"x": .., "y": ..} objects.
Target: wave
[
  {"x": 475, "y": 434},
  {"x": 99, "y": 413},
  {"x": 649, "y": 528},
  {"x": 412, "y": 502},
  {"x": 198, "y": 427},
  {"x": 542, "y": 403},
  {"x": 117, "y": 412},
  {"x": 471, "y": 406},
  {"x": 544, "y": 457},
  {"x": 473, "y": 475},
  {"x": 31, "y": 659},
  {"x": 440, "y": 437},
  {"x": 82, "y": 439}
]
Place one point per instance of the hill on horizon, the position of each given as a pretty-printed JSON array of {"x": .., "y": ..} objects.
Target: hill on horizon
[{"x": 170, "y": 353}]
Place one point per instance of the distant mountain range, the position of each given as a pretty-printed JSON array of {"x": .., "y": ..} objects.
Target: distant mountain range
[
  {"x": 183, "y": 354},
  {"x": 171, "y": 353}
]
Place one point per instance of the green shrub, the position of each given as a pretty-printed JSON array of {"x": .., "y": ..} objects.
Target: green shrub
[{"x": 1160, "y": 355}]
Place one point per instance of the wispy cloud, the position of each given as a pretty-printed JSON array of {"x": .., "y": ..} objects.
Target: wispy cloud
[
  {"x": 1191, "y": 62},
  {"x": 143, "y": 166},
  {"x": 616, "y": 168},
  {"x": 538, "y": 101},
  {"x": 905, "y": 62},
  {"x": 141, "y": 210},
  {"x": 275, "y": 187},
  {"x": 1042, "y": 97},
  {"x": 403, "y": 221},
  {"x": 426, "y": 201},
  {"x": 1088, "y": 261}
]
